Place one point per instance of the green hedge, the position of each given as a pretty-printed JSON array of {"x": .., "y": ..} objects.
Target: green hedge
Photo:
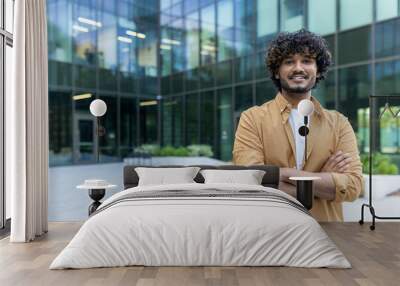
[
  {"x": 188, "y": 151},
  {"x": 381, "y": 164}
]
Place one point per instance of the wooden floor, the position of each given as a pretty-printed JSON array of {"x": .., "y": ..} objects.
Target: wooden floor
[{"x": 374, "y": 255}]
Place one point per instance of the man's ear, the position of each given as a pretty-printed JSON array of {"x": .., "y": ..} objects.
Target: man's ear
[
  {"x": 318, "y": 75},
  {"x": 277, "y": 76}
]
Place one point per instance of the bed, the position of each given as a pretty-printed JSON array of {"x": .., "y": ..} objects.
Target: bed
[{"x": 201, "y": 224}]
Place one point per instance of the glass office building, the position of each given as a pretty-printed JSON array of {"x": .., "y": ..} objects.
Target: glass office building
[{"x": 180, "y": 72}]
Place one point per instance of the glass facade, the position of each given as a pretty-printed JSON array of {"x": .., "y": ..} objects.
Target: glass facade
[{"x": 180, "y": 72}]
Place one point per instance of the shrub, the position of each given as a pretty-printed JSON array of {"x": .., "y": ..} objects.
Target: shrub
[
  {"x": 381, "y": 164},
  {"x": 200, "y": 150}
]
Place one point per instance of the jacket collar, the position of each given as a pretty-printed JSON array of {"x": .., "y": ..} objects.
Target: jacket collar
[{"x": 285, "y": 106}]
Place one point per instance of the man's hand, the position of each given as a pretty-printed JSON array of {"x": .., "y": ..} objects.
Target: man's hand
[{"x": 337, "y": 163}]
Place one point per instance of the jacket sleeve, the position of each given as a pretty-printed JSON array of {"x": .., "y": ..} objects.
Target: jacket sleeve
[
  {"x": 350, "y": 183},
  {"x": 248, "y": 148}
]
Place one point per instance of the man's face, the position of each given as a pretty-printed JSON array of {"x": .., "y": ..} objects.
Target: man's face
[{"x": 298, "y": 73}]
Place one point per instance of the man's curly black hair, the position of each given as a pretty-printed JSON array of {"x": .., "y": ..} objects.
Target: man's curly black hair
[{"x": 299, "y": 42}]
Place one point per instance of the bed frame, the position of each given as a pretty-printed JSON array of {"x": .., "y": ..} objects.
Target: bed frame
[{"x": 270, "y": 179}]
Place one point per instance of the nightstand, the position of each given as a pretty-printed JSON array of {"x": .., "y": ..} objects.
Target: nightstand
[
  {"x": 304, "y": 190},
  {"x": 96, "y": 190}
]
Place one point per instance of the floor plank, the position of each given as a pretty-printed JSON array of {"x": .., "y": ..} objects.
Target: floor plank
[{"x": 374, "y": 255}]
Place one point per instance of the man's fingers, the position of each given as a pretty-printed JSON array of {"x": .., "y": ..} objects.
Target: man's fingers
[{"x": 344, "y": 168}]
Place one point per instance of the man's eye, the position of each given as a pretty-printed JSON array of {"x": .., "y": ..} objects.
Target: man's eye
[{"x": 288, "y": 62}]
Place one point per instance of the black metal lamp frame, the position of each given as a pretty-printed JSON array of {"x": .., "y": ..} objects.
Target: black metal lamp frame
[
  {"x": 370, "y": 204},
  {"x": 100, "y": 131}
]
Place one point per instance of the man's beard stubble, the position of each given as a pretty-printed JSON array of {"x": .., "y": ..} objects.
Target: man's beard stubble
[{"x": 285, "y": 86}]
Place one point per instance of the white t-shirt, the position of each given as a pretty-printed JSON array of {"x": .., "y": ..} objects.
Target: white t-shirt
[{"x": 296, "y": 121}]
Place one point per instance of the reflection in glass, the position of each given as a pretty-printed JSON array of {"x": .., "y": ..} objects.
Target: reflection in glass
[
  {"x": 129, "y": 121},
  {"x": 60, "y": 129},
  {"x": 292, "y": 15},
  {"x": 208, "y": 41},
  {"x": 386, "y": 9},
  {"x": 322, "y": 16},
  {"x": 244, "y": 68},
  {"x": 354, "y": 45},
  {"x": 84, "y": 140},
  {"x": 108, "y": 142},
  {"x": 387, "y": 38},
  {"x": 243, "y": 98},
  {"x": 265, "y": 91},
  {"x": 355, "y": 13},
  {"x": 59, "y": 18},
  {"x": 148, "y": 121},
  {"x": 354, "y": 89},
  {"x": 172, "y": 121},
  {"x": 325, "y": 91},
  {"x": 207, "y": 108},
  {"x": 225, "y": 30},
  {"x": 192, "y": 119},
  {"x": 192, "y": 40},
  {"x": 225, "y": 124},
  {"x": 267, "y": 17}
]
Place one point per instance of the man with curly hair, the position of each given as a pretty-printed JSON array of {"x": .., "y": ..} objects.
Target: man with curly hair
[{"x": 268, "y": 134}]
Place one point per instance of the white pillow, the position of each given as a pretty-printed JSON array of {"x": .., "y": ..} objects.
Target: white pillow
[
  {"x": 248, "y": 177},
  {"x": 165, "y": 176}
]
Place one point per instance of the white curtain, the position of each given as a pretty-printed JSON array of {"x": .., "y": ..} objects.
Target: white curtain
[{"x": 27, "y": 123}]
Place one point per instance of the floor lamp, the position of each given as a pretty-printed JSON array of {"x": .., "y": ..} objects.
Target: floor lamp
[{"x": 98, "y": 108}]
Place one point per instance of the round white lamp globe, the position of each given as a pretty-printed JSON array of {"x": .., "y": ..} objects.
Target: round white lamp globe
[
  {"x": 98, "y": 107},
  {"x": 305, "y": 107}
]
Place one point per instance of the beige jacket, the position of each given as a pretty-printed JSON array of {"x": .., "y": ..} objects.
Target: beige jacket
[{"x": 264, "y": 136}]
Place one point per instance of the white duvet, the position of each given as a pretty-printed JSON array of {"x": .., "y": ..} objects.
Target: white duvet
[{"x": 200, "y": 231}]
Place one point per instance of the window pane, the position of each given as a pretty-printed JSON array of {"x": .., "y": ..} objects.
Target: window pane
[
  {"x": 261, "y": 68},
  {"x": 60, "y": 128},
  {"x": 128, "y": 119},
  {"x": 84, "y": 140},
  {"x": 386, "y": 9},
  {"x": 243, "y": 98},
  {"x": 292, "y": 15},
  {"x": 226, "y": 30},
  {"x": 387, "y": 76},
  {"x": 267, "y": 17},
  {"x": 387, "y": 38},
  {"x": 108, "y": 142},
  {"x": 351, "y": 19},
  {"x": 224, "y": 73},
  {"x": 207, "y": 107},
  {"x": 322, "y": 16},
  {"x": 192, "y": 79},
  {"x": 354, "y": 45},
  {"x": 84, "y": 34},
  {"x": 192, "y": 40},
  {"x": 9, "y": 13},
  {"x": 172, "y": 121},
  {"x": 265, "y": 91},
  {"x": 224, "y": 125},
  {"x": 192, "y": 119},
  {"x": 177, "y": 83},
  {"x": 245, "y": 26},
  {"x": 244, "y": 69},
  {"x": 148, "y": 122},
  {"x": 208, "y": 48},
  {"x": 60, "y": 30},
  {"x": 354, "y": 89},
  {"x": 325, "y": 91},
  {"x": 206, "y": 76}
]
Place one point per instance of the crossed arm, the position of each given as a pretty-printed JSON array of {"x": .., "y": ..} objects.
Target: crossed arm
[{"x": 324, "y": 188}]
